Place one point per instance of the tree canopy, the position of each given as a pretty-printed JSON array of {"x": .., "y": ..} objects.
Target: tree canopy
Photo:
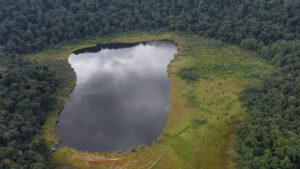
[
  {"x": 269, "y": 138},
  {"x": 31, "y": 25}
]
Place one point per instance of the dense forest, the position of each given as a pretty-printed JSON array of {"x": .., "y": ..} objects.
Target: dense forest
[
  {"x": 31, "y": 25},
  {"x": 26, "y": 92},
  {"x": 269, "y": 138}
]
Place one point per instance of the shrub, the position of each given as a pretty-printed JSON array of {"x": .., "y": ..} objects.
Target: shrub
[{"x": 189, "y": 74}]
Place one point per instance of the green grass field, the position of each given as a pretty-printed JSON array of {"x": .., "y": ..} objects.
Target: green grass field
[{"x": 201, "y": 127}]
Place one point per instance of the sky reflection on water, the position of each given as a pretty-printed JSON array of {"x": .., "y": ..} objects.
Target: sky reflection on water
[{"x": 121, "y": 98}]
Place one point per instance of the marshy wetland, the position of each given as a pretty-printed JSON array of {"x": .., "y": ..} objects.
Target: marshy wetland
[{"x": 206, "y": 79}]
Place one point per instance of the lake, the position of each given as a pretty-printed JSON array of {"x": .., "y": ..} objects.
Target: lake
[{"x": 121, "y": 99}]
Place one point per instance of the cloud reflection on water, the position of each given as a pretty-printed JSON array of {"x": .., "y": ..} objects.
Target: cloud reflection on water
[{"x": 121, "y": 98}]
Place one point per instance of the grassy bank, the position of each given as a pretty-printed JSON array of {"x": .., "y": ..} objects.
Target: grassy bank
[{"x": 201, "y": 127}]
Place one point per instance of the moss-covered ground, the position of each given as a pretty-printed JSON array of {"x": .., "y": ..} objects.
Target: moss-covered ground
[{"x": 201, "y": 127}]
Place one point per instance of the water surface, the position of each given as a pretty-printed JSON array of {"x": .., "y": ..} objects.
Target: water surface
[{"x": 121, "y": 98}]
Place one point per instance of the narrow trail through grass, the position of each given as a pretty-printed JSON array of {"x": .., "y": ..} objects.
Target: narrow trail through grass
[{"x": 201, "y": 127}]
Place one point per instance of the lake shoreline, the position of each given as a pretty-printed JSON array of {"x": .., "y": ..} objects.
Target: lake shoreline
[
  {"x": 121, "y": 96},
  {"x": 181, "y": 141}
]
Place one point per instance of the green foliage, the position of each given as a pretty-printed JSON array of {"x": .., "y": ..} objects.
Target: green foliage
[
  {"x": 31, "y": 25},
  {"x": 214, "y": 43},
  {"x": 192, "y": 99},
  {"x": 270, "y": 138},
  {"x": 266, "y": 27},
  {"x": 26, "y": 98},
  {"x": 197, "y": 122},
  {"x": 189, "y": 74},
  {"x": 250, "y": 44}
]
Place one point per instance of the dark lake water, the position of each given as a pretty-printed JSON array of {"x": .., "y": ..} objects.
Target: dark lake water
[{"x": 121, "y": 99}]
